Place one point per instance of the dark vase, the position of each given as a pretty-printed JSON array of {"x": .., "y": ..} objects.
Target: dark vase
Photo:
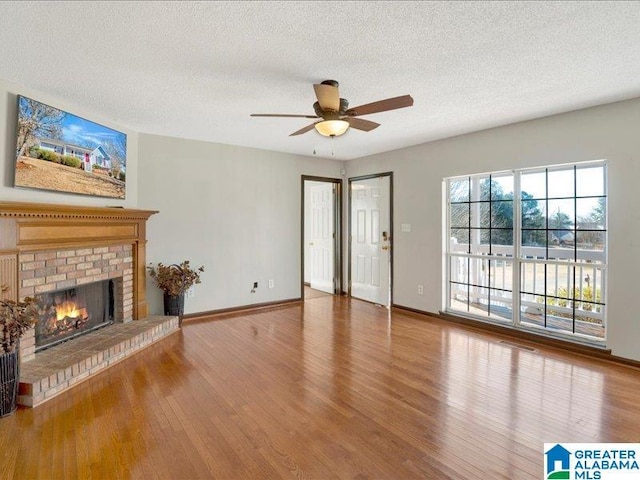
[
  {"x": 174, "y": 306},
  {"x": 9, "y": 379}
]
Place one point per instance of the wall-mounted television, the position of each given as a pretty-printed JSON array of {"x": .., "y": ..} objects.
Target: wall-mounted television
[{"x": 59, "y": 151}]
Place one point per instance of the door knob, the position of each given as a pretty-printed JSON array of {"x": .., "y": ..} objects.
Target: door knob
[{"x": 386, "y": 247}]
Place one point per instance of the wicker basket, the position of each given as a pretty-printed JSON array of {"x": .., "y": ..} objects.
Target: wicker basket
[{"x": 9, "y": 379}]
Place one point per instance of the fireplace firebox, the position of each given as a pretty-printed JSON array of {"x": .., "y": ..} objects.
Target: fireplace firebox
[{"x": 66, "y": 314}]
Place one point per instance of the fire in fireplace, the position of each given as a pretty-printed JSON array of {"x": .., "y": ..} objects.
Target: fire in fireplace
[{"x": 65, "y": 314}]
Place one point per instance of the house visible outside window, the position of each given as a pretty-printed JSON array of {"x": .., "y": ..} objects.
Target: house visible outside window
[{"x": 527, "y": 248}]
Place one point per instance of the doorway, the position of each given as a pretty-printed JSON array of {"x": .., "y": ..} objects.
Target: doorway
[
  {"x": 370, "y": 238},
  {"x": 321, "y": 233}
]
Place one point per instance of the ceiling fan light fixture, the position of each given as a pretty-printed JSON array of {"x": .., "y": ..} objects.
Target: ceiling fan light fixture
[{"x": 332, "y": 128}]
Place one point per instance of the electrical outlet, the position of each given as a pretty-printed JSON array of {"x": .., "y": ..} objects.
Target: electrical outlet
[
  {"x": 420, "y": 289},
  {"x": 255, "y": 284},
  {"x": 191, "y": 292},
  {"x": 271, "y": 284}
]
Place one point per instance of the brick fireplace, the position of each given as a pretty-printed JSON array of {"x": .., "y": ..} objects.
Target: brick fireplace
[
  {"x": 47, "y": 248},
  {"x": 54, "y": 270}
]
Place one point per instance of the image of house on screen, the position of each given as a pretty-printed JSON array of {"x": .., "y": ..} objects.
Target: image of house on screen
[
  {"x": 557, "y": 454},
  {"x": 89, "y": 156}
]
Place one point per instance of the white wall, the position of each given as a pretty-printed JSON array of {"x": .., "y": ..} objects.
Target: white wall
[
  {"x": 234, "y": 210},
  {"x": 8, "y": 117},
  {"x": 609, "y": 132}
]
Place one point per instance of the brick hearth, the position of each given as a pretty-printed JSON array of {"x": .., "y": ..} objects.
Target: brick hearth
[{"x": 63, "y": 366}]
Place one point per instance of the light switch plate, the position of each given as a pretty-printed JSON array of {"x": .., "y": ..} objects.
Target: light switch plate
[{"x": 405, "y": 227}]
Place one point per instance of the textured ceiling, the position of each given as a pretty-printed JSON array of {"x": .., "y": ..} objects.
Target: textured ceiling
[{"x": 198, "y": 69}]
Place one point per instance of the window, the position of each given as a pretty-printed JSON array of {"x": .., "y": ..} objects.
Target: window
[{"x": 528, "y": 248}]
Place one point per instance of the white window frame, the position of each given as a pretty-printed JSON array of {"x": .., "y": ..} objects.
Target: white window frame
[{"x": 518, "y": 260}]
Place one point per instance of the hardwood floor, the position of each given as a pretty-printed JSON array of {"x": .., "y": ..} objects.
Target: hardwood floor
[
  {"x": 310, "y": 293},
  {"x": 329, "y": 389}
]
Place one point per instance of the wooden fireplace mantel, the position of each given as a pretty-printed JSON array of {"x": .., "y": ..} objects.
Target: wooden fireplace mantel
[{"x": 26, "y": 227}]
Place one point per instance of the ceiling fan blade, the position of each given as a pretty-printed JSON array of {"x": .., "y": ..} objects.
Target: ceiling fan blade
[
  {"x": 381, "y": 106},
  {"x": 282, "y": 115},
  {"x": 328, "y": 96},
  {"x": 362, "y": 124},
  {"x": 303, "y": 130}
]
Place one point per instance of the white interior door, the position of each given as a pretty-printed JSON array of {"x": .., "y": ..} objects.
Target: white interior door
[
  {"x": 321, "y": 246},
  {"x": 371, "y": 239}
]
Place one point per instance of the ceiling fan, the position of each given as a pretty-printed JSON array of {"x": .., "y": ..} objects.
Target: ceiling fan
[{"x": 335, "y": 114}]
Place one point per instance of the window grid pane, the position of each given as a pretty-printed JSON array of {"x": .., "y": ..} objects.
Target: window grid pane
[
  {"x": 562, "y": 248},
  {"x": 480, "y": 282}
]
